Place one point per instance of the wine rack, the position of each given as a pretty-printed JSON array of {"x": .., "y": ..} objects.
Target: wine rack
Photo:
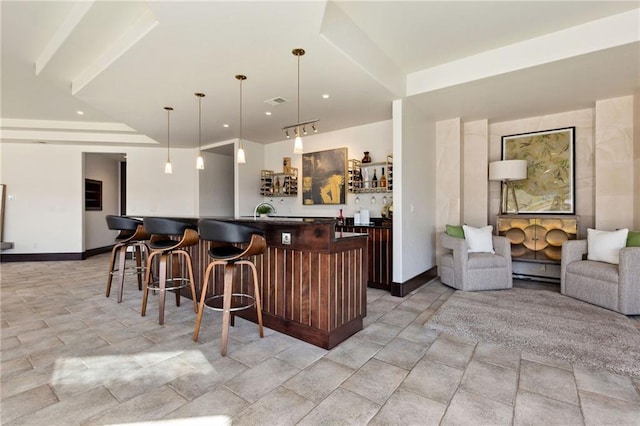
[
  {"x": 359, "y": 184},
  {"x": 279, "y": 184}
]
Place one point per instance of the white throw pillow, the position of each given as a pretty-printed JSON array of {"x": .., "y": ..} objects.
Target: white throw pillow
[
  {"x": 479, "y": 240},
  {"x": 604, "y": 246}
]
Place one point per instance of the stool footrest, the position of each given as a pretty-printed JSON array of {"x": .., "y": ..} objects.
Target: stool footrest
[
  {"x": 155, "y": 285},
  {"x": 238, "y": 298}
]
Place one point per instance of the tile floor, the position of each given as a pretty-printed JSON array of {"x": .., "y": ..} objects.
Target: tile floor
[{"x": 71, "y": 356}]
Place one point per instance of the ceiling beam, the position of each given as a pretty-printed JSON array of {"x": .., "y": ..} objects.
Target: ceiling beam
[{"x": 62, "y": 34}]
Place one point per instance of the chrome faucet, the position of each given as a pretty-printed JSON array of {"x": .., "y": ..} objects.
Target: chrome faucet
[{"x": 255, "y": 211}]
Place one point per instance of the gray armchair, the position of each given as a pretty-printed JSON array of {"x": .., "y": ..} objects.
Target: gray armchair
[
  {"x": 615, "y": 287},
  {"x": 475, "y": 271}
]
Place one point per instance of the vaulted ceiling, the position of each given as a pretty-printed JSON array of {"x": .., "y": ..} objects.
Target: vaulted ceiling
[{"x": 121, "y": 62}]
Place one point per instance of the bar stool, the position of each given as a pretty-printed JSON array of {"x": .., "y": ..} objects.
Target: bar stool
[
  {"x": 161, "y": 244},
  {"x": 132, "y": 234},
  {"x": 223, "y": 251}
]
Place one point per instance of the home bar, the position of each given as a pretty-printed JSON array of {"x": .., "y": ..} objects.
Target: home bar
[{"x": 313, "y": 279}]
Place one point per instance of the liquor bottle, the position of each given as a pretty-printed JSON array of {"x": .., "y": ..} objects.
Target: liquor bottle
[
  {"x": 340, "y": 218},
  {"x": 360, "y": 179},
  {"x": 383, "y": 180},
  {"x": 374, "y": 180},
  {"x": 277, "y": 185}
]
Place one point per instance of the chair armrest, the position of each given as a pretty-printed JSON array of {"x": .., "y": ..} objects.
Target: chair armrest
[
  {"x": 572, "y": 251},
  {"x": 457, "y": 245},
  {"x": 502, "y": 246},
  {"x": 629, "y": 276}
]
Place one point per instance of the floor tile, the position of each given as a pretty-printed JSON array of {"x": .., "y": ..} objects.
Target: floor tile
[
  {"x": 401, "y": 353},
  {"x": 145, "y": 379},
  {"x": 73, "y": 410},
  {"x": 535, "y": 409},
  {"x": 27, "y": 402},
  {"x": 450, "y": 352},
  {"x": 497, "y": 355},
  {"x": 493, "y": 382},
  {"x": 354, "y": 352},
  {"x": 606, "y": 384},
  {"x": 434, "y": 380},
  {"x": 379, "y": 332},
  {"x": 151, "y": 405},
  {"x": 376, "y": 380},
  {"x": 341, "y": 408},
  {"x": 409, "y": 408},
  {"x": 549, "y": 381},
  {"x": 469, "y": 408},
  {"x": 206, "y": 376},
  {"x": 599, "y": 410},
  {"x": 254, "y": 383},
  {"x": 217, "y": 406},
  {"x": 280, "y": 407},
  {"x": 302, "y": 354},
  {"x": 318, "y": 380}
]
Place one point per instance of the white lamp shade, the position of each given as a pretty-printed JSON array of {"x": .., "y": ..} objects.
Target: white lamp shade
[
  {"x": 508, "y": 170},
  {"x": 241, "y": 158},
  {"x": 297, "y": 145}
]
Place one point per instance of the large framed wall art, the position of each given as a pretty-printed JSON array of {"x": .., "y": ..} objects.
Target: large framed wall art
[
  {"x": 324, "y": 175},
  {"x": 550, "y": 183}
]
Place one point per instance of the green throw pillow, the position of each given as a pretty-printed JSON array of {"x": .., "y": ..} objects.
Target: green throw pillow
[
  {"x": 455, "y": 231},
  {"x": 633, "y": 239}
]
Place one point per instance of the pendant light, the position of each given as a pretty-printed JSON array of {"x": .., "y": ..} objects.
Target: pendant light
[
  {"x": 241, "y": 157},
  {"x": 167, "y": 167},
  {"x": 199, "y": 160},
  {"x": 297, "y": 145}
]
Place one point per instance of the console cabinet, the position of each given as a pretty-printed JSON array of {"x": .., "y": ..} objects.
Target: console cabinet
[{"x": 536, "y": 243}]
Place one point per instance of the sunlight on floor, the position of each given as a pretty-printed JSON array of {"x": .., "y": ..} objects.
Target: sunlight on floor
[
  {"x": 191, "y": 421},
  {"x": 94, "y": 369}
]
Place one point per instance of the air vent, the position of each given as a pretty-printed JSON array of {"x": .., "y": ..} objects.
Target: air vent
[{"x": 276, "y": 101}]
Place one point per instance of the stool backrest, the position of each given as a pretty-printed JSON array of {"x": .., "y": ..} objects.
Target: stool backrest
[
  {"x": 167, "y": 226},
  {"x": 226, "y": 232},
  {"x": 122, "y": 223}
]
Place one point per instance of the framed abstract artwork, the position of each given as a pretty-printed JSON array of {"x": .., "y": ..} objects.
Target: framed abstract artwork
[
  {"x": 324, "y": 175},
  {"x": 550, "y": 183}
]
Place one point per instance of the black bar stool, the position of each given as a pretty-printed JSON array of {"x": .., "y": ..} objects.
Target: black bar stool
[
  {"x": 161, "y": 244},
  {"x": 223, "y": 250},
  {"x": 132, "y": 234}
]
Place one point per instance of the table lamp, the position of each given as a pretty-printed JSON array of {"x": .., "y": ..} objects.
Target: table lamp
[{"x": 507, "y": 171}]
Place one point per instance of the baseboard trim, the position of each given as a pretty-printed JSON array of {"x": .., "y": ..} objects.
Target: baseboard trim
[
  {"x": 51, "y": 257},
  {"x": 402, "y": 289}
]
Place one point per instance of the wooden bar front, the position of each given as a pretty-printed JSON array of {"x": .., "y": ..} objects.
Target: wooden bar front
[{"x": 313, "y": 289}]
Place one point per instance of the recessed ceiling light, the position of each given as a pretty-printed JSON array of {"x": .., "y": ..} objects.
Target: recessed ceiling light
[
  {"x": 225, "y": 125},
  {"x": 267, "y": 113},
  {"x": 325, "y": 96},
  {"x": 80, "y": 112}
]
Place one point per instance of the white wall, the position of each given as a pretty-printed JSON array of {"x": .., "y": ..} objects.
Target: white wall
[
  {"x": 216, "y": 185},
  {"x": 375, "y": 138},
  {"x": 46, "y": 183},
  {"x": 414, "y": 192},
  {"x": 107, "y": 170},
  {"x": 151, "y": 192},
  {"x": 248, "y": 179}
]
